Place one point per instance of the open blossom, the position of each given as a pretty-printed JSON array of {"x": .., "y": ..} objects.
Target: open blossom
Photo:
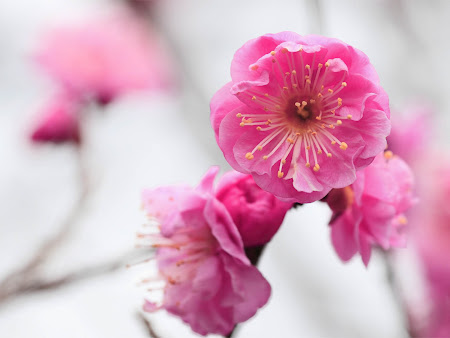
[
  {"x": 105, "y": 58},
  {"x": 301, "y": 114},
  {"x": 58, "y": 122},
  {"x": 208, "y": 280},
  {"x": 256, "y": 213},
  {"x": 371, "y": 211}
]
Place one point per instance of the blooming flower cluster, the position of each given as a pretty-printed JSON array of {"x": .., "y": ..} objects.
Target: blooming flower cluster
[
  {"x": 208, "y": 280},
  {"x": 303, "y": 119},
  {"x": 98, "y": 61}
]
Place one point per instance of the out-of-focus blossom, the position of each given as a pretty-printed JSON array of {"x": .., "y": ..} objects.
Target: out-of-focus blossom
[
  {"x": 371, "y": 211},
  {"x": 58, "y": 121},
  {"x": 301, "y": 114},
  {"x": 411, "y": 132},
  {"x": 430, "y": 232},
  {"x": 256, "y": 213},
  {"x": 105, "y": 58},
  {"x": 208, "y": 280}
]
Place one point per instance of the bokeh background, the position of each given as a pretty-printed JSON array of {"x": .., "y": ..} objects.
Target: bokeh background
[{"x": 146, "y": 139}]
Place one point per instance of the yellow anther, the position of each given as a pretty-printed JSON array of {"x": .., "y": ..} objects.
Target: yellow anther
[
  {"x": 338, "y": 122},
  {"x": 307, "y": 66},
  {"x": 238, "y": 115},
  {"x": 333, "y": 142},
  {"x": 291, "y": 141},
  {"x": 297, "y": 104},
  {"x": 330, "y": 90},
  {"x": 253, "y": 98},
  {"x": 272, "y": 53},
  {"x": 343, "y": 146},
  {"x": 280, "y": 174},
  {"x": 286, "y": 88},
  {"x": 331, "y": 126},
  {"x": 308, "y": 81},
  {"x": 316, "y": 167},
  {"x": 283, "y": 162},
  {"x": 329, "y": 155},
  {"x": 258, "y": 128},
  {"x": 339, "y": 100},
  {"x": 294, "y": 72},
  {"x": 344, "y": 84},
  {"x": 318, "y": 118},
  {"x": 266, "y": 94},
  {"x": 327, "y": 64},
  {"x": 308, "y": 148},
  {"x": 312, "y": 101},
  {"x": 277, "y": 106},
  {"x": 265, "y": 157},
  {"x": 319, "y": 65},
  {"x": 323, "y": 125},
  {"x": 259, "y": 148},
  {"x": 388, "y": 154},
  {"x": 402, "y": 220},
  {"x": 314, "y": 133},
  {"x": 254, "y": 67},
  {"x": 333, "y": 112},
  {"x": 287, "y": 73},
  {"x": 294, "y": 85},
  {"x": 249, "y": 156},
  {"x": 319, "y": 151},
  {"x": 307, "y": 164},
  {"x": 242, "y": 124},
  {"x": 319, "y": 95},
  {"x": 304, "y": 103},
  {"x": 349, "y": 116},
  {"x": 284, "y": 50}
]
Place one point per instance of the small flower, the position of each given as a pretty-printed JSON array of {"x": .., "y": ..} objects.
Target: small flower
[
  {"x": 301, "y": 114},
  {"x": 371, "y": 211},
  {"x": 256, "y": 213},
  {"x": 207, "y": 279},
  {"x": 105, "y": 58},
  {"x": 58, "y": 122}
]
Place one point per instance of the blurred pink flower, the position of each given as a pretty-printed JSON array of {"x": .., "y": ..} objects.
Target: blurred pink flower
[
  {"x": 256, "y": 213},
  {"x": 411, "y": 131},
  {"x": 301, "y": 114},
  {"x": 209, "y": 282},
  {"x": 105, "y": 58},
  {"x": 371, "y": 210},
  {"x": 58, "y": 122},
  {"x": 430, "y": 232}
]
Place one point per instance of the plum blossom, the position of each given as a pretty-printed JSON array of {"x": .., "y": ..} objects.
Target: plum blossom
[
  {"x": 105, "y": 58},
  {"x": 370, "y": 212},
  {"x": 208, "y": 280},
  {"x": 411, "y": 131},
  {"x": 301, "y": 114},
  {"x": 256, "y": 213},
  {"x": 430, "y": 234},
  {"x": 58, "y": 122}
]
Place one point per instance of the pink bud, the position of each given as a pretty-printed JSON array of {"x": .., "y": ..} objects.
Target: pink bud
[{"x": 256, "y": 213}]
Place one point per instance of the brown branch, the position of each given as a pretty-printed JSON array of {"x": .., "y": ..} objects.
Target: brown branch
[
  {"x": 20, "y": 279},
  {"x": 148, "y": 325}
]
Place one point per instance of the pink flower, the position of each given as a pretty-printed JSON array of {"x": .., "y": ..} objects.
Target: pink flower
[
  {"x": 301, "y": 114},
  {"x": 59, "y": 121},
  {"x": 256, "y": 213},
  {"x": 209, "y": 282},
  {"x": 371, "y": 211},
  {"x": 105, "y": 58},
  {"x": 411, "y": 132},
  {"x": 430, "y": 224}
]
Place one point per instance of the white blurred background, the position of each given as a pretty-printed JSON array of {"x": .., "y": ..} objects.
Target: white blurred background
[{"x": 146, "y": 140}]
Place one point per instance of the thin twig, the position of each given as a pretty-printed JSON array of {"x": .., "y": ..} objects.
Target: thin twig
[
  {"x": 148, "y": 325},
  {"x": 20, "y": 279},
  {"x": 395, "y": 291}
]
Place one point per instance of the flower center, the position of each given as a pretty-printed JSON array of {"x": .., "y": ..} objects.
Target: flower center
[{"x": 302, "y": 115}]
